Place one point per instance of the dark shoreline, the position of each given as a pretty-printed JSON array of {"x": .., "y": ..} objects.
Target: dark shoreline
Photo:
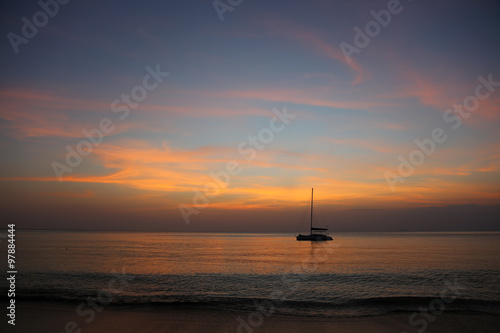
[
  {"x": 410, "y": 305},
  {"x": 36, "y": 316}
]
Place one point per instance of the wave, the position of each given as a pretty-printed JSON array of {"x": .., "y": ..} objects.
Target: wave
[
  {"x": 340, "y": 307},
  {"x": 331, "y": 295}
]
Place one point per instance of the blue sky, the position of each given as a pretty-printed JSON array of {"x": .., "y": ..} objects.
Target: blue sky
[{"x": 355, "y": 117}]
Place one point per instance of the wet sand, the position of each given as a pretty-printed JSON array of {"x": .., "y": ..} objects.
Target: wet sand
[{"x": 61, "y": 317}]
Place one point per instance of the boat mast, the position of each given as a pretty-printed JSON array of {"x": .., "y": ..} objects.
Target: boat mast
[{"x": 312, "y": 196}]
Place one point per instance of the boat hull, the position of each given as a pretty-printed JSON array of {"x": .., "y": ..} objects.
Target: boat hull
[{"x": 314, "y": 237}]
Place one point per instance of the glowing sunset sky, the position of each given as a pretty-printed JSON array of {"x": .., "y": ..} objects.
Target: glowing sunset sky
[{"x": 353, "y": 117}]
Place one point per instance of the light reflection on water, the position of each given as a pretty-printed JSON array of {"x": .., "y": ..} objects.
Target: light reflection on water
[
  {"x": 193, "y": 253},
  {"x": 223, "y": 267}
]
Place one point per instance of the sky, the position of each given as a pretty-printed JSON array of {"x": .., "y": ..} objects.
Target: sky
[{"x": 222, "y": 115}]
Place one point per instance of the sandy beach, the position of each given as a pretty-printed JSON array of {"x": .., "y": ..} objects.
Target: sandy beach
[{"x": 62, "y": 317}]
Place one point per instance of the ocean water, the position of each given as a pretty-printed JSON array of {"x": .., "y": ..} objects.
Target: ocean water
[{"x": 356, "y": 274}]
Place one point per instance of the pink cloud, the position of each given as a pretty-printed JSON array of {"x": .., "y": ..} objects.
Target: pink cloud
[
  {"x": 379, "y": 147},
  {"x": 310, "y": 38},
  {"x": 313, "y": 97},
  {"x": 31, "y": 113}
]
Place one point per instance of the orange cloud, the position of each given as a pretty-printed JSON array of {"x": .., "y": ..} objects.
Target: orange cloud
[{"x": 279, "y": 178}]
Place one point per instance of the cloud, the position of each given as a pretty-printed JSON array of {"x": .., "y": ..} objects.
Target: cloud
[
  {"x": 32, "y": 113},
  {"x": 368, "y": 144},
  {"x": 312, "y": 39},
  {"x": 314, "y": 97}
]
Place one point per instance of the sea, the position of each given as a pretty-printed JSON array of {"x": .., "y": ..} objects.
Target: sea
[{"x": 356, "y": 274}]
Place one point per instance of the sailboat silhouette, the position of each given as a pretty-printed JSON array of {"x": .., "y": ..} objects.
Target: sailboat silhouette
[{"x": 316, "y": 234}]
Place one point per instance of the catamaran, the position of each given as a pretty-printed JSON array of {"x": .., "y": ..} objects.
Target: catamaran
[{"x": 317, "y": 234}]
